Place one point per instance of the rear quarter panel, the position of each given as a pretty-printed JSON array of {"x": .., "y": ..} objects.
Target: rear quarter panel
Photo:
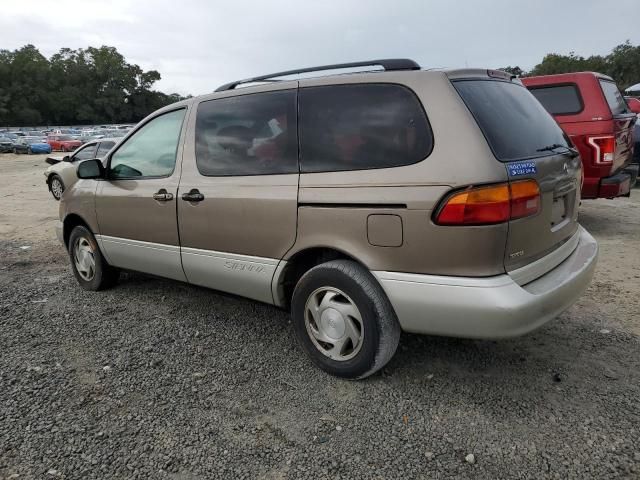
[{"x": 335, "y": 206}]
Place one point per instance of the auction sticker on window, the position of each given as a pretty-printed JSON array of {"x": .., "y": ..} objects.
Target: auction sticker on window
[{"x": 517, "y": 169}]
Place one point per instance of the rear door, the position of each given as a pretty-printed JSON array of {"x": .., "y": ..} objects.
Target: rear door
[
  {"x": 526, "y": 138},
  {"x": 237, "y": 204}
]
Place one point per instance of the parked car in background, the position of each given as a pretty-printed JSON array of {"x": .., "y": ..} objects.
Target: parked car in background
[
  {"x": 63, "y": 143},
  {"x": 10, "y": 135},
  {"x": 435, "y": 202},
  {"x": 593, "y": 113},
  {"x": 6, "y": 144},
  {"x": 634, "y": 104},
  {"x": 31, "y": 145},
  {"x": 62, "y": 172}
]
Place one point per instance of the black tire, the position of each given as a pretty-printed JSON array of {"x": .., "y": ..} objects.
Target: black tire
[
  {"x": 380, "y": 327},
  {"x": 56, "y": 178},
  {"x": 105, "y": 276}
]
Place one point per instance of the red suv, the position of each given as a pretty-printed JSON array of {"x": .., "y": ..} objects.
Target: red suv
[{"x": 592, "y": 112}]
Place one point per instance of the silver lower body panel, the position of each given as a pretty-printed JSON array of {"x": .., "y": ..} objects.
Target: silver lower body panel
[
  {"x": 153, "y": 258},
  {"x": 493, "y": 307}
]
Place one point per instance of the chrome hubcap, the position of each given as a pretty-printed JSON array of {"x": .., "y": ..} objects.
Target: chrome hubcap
[
  {"x": 56, "y": 188},
  {"x": 84, "y": 259},
  {"x": 334, "y": 323}
]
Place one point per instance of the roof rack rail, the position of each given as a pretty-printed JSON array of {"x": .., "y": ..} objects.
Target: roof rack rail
[{"x": 389, "y": 64}]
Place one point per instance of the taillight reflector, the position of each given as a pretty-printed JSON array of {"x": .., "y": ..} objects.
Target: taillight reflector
[
  {"x": 491, "y": 205},
  {"x": 603, "y": 148}
]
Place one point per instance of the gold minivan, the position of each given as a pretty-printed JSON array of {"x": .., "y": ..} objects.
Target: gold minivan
[{"x": 434, "y": 202}]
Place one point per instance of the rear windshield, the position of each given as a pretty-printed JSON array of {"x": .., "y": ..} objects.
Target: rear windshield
[
  {"x": 559, "y": 99},
  {"x": 514, "y": 123},
  {"x": 614, "y": 97}
]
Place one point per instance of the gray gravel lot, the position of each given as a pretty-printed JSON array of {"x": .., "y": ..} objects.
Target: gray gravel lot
[{"x": 157, "y": 379}]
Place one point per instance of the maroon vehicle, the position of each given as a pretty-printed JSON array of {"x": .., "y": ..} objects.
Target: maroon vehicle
[{"x": 593, "y": 113}]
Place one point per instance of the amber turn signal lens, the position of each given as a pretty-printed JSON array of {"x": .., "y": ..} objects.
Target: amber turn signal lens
[
  {"x": 525, "y": 199},
  {"x": 492, "y": 204}
]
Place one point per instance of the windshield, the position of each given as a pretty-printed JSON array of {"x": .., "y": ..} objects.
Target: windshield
[{"x": 514, "y": 123}]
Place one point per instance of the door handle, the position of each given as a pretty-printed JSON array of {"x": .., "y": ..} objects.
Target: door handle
[
  {"x": 193, "y": 196},
  {"x": 162, "y": 195}
]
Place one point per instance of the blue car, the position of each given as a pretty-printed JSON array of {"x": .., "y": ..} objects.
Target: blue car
[{"x": 31, "y": 145}]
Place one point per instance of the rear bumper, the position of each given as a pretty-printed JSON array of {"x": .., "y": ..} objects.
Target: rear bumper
[
  {"x": 493, "y": 307},
  {"x": 634, "y": 171},
  {"x": 618, "y": 185}
]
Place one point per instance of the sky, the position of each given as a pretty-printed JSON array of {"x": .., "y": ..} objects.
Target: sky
[{"x": 197, "y": 45}]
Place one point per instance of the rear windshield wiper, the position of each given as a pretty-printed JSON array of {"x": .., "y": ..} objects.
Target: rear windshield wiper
[{"x": 572, "y": 152}]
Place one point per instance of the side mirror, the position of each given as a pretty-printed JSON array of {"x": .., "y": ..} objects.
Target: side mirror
[
  {"x": 66, "y": 158},
  {"x": 91, "y": 169}
]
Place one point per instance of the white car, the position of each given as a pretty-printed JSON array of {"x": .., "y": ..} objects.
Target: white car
[{"x": 62, "y": 172}]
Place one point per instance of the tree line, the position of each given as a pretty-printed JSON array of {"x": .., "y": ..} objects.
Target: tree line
[
  {"x": 97, "y": 85},
  {"x": 83, "y": 86},
  {"x": 622, "y": 64}
]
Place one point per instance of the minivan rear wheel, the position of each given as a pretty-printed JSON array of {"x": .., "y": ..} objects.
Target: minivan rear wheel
[
  {"x": 89, "y": 266},
  {"x": 343, "y": 319}
]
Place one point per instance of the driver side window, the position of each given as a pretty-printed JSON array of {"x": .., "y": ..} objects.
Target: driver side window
[{"x": 151, "y": 151}]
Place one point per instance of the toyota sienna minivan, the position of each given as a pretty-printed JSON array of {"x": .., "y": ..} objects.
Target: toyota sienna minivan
[{"x": 434, "y": 202}]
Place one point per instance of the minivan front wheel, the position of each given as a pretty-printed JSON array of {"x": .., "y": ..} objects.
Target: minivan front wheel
[
  {"x": 343, "y": 319},
  {"x": 89, "y": 266}
]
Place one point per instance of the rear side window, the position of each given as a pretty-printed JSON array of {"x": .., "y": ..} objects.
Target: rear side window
[
  {"x": 614, "y": 97},
  {"x": 86, "y": 153},
  {"x": 514, "y": 123},
  {"x": 104, "y": 148},
  {"x": 358, "y": 127},
  {"x": 559, "y": 99},
  {"x": 253, "y": 134}
]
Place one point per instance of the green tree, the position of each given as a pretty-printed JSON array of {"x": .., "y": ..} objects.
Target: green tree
[
  {"x": 92, "y": 85},
  {"x": 517, "y": 71},
  {"x": 622, "y": 64}
]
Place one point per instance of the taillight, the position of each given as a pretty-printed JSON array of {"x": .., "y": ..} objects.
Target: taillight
[
  {"x": 604, "y": 148},
  {"x": 491, "y": 205},
  {"x": 525, "y": 199}
]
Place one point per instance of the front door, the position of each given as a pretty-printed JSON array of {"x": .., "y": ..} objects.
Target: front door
[
  {"x": 136, "y": 205},
  {"x": 239, "y": 191}
]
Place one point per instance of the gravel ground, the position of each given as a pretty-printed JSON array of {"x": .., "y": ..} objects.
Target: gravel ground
[{"x": 157, "y": 379}]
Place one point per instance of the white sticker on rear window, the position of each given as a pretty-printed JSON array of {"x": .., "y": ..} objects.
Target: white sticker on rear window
[{"x": 518, "y": 169}]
